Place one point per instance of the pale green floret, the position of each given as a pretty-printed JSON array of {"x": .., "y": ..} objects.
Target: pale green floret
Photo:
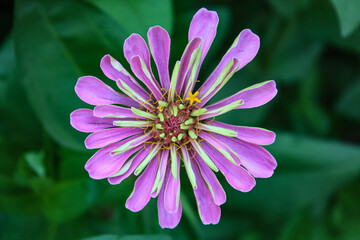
[
  {"x": 219, "y": 130},
  {"x": 189, "y": 121},
  {"x": 184, "y": 127},
  {"x": 174, "y": 110},
  {"x": 204, "y": 156},
  {"x": 181, "y": 106},
  {"x": 130, "y": 123},
  {"x": 163, "y": 104},
  {"x": 162, "y": 135},
  {"x": 198, "y": 112},
  {"x": 146, "y": 160},
  {"x": 173, "y": 82},
  {"x": 188, "y": 168},
  {"x": 192, "y": 134},
  {"x": 174, "y": 139},
  {"x": 158, "y": 126},
  {"x": 180, "y": 136},
  {"x": 174, "y": 163},
  {"x": 143, "y": 113},
  {"x": 161, "y": 116}
]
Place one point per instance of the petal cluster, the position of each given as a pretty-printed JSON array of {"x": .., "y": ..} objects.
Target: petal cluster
[{"x": 154, "y": 129}]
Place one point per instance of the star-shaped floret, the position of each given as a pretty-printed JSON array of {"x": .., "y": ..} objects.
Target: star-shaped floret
[{"x": 192, "y": 97}]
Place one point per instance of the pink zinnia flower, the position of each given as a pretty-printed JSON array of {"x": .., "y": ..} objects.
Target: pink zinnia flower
[{"x": 153, "y": 132}]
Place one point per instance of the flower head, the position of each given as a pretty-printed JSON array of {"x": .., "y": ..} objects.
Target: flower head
[{"x": 153, "y": 132}]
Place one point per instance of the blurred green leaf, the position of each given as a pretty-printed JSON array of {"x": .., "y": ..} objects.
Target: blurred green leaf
[
  {"x": 136, "y": 16},
  {"x": 20, "y": 135},
  {"x": 348, "y": 104},
  {"x": 289, "y": 8},
  {"x": 67, "y": 200},
  {"x": 137, "y": 237},
  {"x": 309, "y": 171},
  {"x": 73, "y": 36},
  {"x": 348, "y": 13},
  {"x": 36, "y": 162}
]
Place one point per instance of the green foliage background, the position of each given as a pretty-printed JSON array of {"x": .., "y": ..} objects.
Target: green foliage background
[{"x": 310, "y": 47}]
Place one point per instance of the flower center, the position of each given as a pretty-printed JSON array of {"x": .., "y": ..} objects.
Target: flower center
[{"x": 176, "y": 123}]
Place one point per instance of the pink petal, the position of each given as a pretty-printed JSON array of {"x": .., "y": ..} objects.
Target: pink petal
[
  {"x": 166, "y": 219},
  {"x": 204, "y": 25},
  {"x": 135, "y": 161},
  {"x": 83, "y": 120},
  {"x": 113, "y": 111},
  {"x": 254, "y": 135},
  {"x": 142, "y": 189},
  {"x": 259, "y": 162},
  {"x": 93, "y": 91},
  {"x": 164, "y": 157},
  {"x": 236, "y": 176},
  {"x": 113, "y": 69},
  {"x": 105, "y": 137},
  {"x": 148, "y": 80},
  {"x": 159, "y": 41},
  {"x": 102, "y": 164},
  {"x": 219, "y": 145},
  {"x": 185, "y": 64},
  {"x": 245, "y": 50},
  {"x": 209, "y": 94},
  {"x": 209, "y": 212},
  {"x": 135, "y": 45},
  {"x": 209, "y": 177},
  {"x": 172, "y": 192},
  {"x": 253, "y": 96}
]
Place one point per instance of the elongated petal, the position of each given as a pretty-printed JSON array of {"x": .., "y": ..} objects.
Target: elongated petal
[
  {"x": 105, "y": 137},
  {"x": 140, "y": 69},
  {"x": 236, "y": 176},
  {"x": 114, "y": 70},
  {"x": 186, "y": 62},
  {"x": 204, "y": 25},
  {"x": 259, "y": 162},
  {"x": 244, "y": 48},
  {"x": 229, "y": 154},
  {"x": 251, "y": 97},
  {"x": 213, "y": 184},
  {"x": 135, "y": 92},
  {"x": 209, "y": 212},
  {"x": 102, "y": 164},
  {"x": 142, "y": 189},
  {"x": 83, "y": 120},
  {"x": 222, "y": 79},
  {"x": 159, "y": 42},
  {"x": 128, "y": 168},
  {"x": 254, "y": 135},
  {"x": 93, "y": 91},
  {"x": 172, "y": 192},
  {"x": 135, "y": 45},
  {"x": 112, "y": 111},
  {"x": 164, "y": 156},
  {"x": 166, "y": 219}
]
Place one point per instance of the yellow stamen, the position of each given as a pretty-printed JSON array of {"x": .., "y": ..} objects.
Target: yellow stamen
[{"x": 192, "y": 97}]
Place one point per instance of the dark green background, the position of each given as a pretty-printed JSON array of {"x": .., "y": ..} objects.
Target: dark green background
[{"x": 311, "y": 48}]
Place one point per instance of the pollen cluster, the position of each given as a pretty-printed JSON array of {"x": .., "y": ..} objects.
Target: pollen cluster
[{"x": 176, "y": 123}]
